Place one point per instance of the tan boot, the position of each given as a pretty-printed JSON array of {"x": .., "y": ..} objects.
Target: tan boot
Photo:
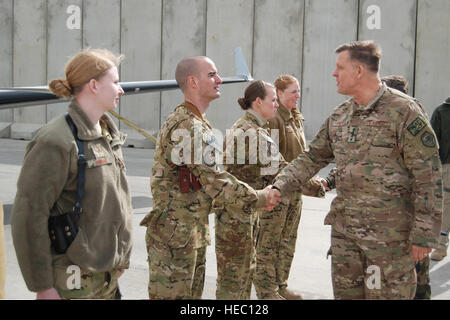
[
  {"x": 438, "y": 254},
  {"x": 290, "y": 294}
]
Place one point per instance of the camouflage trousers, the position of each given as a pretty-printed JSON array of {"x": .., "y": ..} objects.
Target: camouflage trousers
[
  {"x": 175, "y": 273},
  {"x": 71, "y": 282},
  {"x": 443, "y": 240},
  {"x": 276, "y": 245},
  {"x": 235, "y": 241},
  {"x": 370, "y": 270}
]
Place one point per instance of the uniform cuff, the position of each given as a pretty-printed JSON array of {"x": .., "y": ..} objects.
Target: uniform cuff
[{"x": 261, "y": 202}]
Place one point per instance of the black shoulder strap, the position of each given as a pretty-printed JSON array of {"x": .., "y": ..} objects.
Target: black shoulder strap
[{"x": 81, "y": 166}]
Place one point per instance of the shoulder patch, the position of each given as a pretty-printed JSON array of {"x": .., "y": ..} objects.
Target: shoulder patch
[
  {"x": 428, "y": 139},
  {"x": 416, "y": 126}
]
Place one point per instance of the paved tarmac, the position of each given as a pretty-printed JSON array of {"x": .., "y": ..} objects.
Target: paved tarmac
[{"x": 310, "y": 273}]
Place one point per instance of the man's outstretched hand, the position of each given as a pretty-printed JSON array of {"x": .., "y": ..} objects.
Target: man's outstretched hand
[{"x": 273, "y": 197}]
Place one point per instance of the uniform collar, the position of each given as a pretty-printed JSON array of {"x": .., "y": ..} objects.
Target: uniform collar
[
  {"x": 194, "y": 110},
  {"x": 374, "y": 100},
  {"x": 88, "y": 130},
  {"x": 286, "y": 114},
  {"x": 260, "y": 120}
]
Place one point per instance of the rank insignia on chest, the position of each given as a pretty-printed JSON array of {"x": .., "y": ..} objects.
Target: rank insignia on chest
[{"x": 352, "y": 134}]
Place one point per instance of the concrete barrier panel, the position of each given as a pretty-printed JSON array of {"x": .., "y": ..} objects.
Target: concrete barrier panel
[
  {"x": 141, "y": 45},
  {"x": 184, "y": 28},
  {"x": 290, "y": 36},
  {"x": 5, "y": 129},
  {"x": 101, "y": 27},
  {"x": 63, "y": 41},
  {"x": 6, "y": 52},
  {"x": 101, "y": 24},
  {"x": 392, "y": 25},
  {"x": 328, "y": 24},
  {"x": 30, "y": 56},
  {"x": 278, "y": 41},
  {"x": 433, "y": 48},
  {"x": 230, "y": 25}
]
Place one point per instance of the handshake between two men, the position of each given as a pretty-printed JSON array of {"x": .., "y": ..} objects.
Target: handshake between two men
[{"x": 316, "y": 187}]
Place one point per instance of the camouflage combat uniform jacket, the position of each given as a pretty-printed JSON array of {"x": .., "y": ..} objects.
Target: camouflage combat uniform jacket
[
  {"x": 388, "y": 177},
  {"x": 292, "y": 137},
  {"x": 177, "y": 218},
  {"x": 47, "y": 185},
  {"x": 242, "y": 167},
  {"x": 253, "y": 173}
]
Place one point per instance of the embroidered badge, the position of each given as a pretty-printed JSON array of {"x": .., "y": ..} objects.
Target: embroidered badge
[
  {"x": 98, "y": 151},
  {"x": 428, "y": 139},
  {"x": 97, "y": 162},
  {"x": 416, "y": 126},
  {"x": 353, "y": 132}
]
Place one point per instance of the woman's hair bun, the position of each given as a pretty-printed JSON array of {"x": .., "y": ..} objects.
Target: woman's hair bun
[
  {"x": 244, "y": 103},
  {"x": 61, "y": 88}
]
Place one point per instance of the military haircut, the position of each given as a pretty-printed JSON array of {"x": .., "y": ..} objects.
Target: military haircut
[
  {"x": 187, "y": 67},
  {"x": 366, "y": 52}
]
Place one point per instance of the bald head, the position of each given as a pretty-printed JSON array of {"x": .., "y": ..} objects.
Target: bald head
[{"x": 188, "y": 67}]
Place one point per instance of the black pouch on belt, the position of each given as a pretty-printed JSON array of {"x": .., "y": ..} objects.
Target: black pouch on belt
[{"x": 62, "y": 230}]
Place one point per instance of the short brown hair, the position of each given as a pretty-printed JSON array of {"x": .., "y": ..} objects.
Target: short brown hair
[
  {"x": 188, "y": 67},
  {"x": 367, "y": 52},
  {"x": 396, "y": 82},
  {"x": 256, "y": 89}
]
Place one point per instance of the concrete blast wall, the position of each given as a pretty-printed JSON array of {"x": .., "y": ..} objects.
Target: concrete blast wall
[{"x": 277, "y": 37}]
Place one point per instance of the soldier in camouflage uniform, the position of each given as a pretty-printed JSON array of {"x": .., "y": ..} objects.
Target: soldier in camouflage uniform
[
  {"x": 186, "y": 185},
  {"x": 423, "y": 289},
  {"x": 387, "y": 212},
  {"x": 236, "y": 231},
  {"x": 278, "y": 233}
]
